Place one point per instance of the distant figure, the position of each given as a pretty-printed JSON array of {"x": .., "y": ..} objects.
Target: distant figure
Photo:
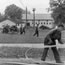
[
  {"x": 36, "y": 31},
  {"x": 23, "y": 27},
  {"x": 21, "y": 30},
  {"x": 50, "y": 40}
]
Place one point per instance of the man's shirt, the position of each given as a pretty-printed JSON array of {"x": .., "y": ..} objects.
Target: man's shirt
[{"x": 52, "y": 36}]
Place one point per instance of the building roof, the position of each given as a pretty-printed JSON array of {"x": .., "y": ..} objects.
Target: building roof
[
  {"x": 6, "y": 22},
  {"x": 37, "y": 16}
]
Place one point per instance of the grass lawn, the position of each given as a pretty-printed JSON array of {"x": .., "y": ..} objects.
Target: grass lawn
[
  {"x": 9, "y": 64},
  {"x": 24, "y": 38},
  {"x": 19, "y": 52}
]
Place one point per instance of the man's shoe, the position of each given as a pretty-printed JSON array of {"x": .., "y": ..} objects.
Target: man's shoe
[{"x": 43, "y": 59}]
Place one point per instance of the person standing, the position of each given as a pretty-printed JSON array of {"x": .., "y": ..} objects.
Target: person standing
[
  {"x": 36, "y": 31},
  {"x": 21, "y": 30},
  {"x": 24, "y": 29},
  {"x": 50, "y": 41}
]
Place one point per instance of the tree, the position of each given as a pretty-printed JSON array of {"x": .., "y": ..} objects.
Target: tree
[
  {"x": 2, "y": 17},
  {"x": 13, "y": 12},
  {"x": 58, "y": 10}
]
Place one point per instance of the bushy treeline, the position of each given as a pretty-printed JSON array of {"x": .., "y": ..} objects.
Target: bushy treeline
[{"x": 13, "y": 12}]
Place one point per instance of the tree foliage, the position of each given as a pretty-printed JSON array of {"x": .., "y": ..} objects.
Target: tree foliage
[
  {"x": 2, "y": 17},
  {"x": 58, "y": 10},
  {"x": 14, "y": 12}
]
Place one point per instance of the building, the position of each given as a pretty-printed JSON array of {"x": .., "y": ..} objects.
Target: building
[
  {"x": 41, "y": 19},
  {"x": 7, "y": 22},
  {"x": 11, "y": 23}
]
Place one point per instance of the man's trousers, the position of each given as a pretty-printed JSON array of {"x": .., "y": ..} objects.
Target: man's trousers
[{"x": 55, "y": 52}]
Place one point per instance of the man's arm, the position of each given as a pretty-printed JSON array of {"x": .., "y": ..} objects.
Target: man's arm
[
  {"x": 59, "y": 39},
  {"x": 48, "y": 40}
]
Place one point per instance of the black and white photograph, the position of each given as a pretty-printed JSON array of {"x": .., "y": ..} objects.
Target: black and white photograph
[{"x": 32, "y": 32}]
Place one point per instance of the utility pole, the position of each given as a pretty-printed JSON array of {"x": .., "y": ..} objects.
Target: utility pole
[
  {"x": 26, "y": 16},
  {"x": 33, "y": 17}
]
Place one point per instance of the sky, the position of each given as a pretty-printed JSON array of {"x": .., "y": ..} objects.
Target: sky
[{"x": 39, "y": 5}]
